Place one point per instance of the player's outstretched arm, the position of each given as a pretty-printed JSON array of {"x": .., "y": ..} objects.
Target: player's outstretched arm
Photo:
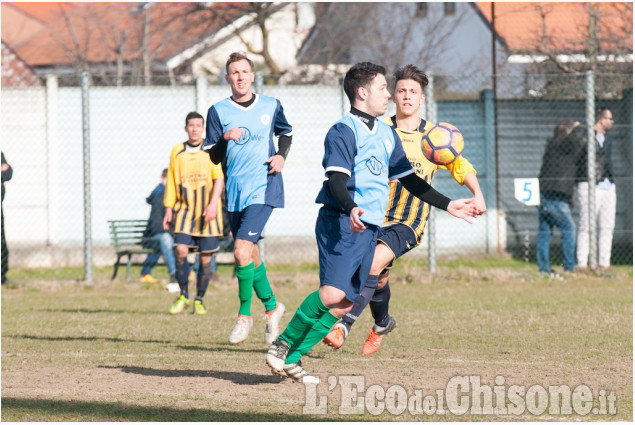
[
  {"x": 461, "y": 208},
  {"x": 479, "y": 200}
]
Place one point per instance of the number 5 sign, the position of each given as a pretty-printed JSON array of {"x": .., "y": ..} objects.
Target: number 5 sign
[{"x": 527, "y": 191}]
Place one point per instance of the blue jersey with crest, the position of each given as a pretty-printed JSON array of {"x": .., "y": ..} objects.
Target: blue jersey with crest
[
  {"x": 370, "y": 158},
  {"x": 247, "y": 178}
]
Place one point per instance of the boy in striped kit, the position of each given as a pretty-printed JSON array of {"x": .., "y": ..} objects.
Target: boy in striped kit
[{"x": 192, "y": 204}]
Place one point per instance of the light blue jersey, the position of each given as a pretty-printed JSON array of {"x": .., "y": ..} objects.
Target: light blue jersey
[
  {"x": 247, "y": 178},
  {"x": 370, "y": 158}
]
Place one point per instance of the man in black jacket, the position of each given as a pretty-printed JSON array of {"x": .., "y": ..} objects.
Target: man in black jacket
[
  {"x": 156, "y": 238},
  {"x": 605, "y": 195},
  {"x": 7, "y": 173},
  {"x": 557, "y": 180}
]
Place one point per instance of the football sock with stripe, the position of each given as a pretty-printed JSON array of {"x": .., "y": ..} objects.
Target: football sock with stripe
[
  {"x": 361, "y": 302},
  {"x": 245, "y": 275},
  {"x": 182, "y": 275},
  {"x": 379, "y": 305},
  {"x": 263, "y": 288},
  {"x": 309, "y": 325}
]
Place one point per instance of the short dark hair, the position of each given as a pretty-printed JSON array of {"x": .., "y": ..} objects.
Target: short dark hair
[
  {"x": 411, "y": 72},
  {"x": 164, "y": 173},
  {"x": 563, "y": 129},
  {"x": 238, "y": 56},
  {"x": 193, "y": 115},
  {"x": 360, "y": 75},
  {"x": 599, "y": 112}
]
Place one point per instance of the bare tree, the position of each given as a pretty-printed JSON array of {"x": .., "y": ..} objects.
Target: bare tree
[{"x": 600, "y": 44}]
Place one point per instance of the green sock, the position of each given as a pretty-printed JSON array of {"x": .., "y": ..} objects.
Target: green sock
[
  {"x": 318, "y": 330},
  {"x": 316, "y": 334},
  {"x": 263, "y": 288},
  {"x": 245, "y": 275},
  {"x": 304, "y": 318}
]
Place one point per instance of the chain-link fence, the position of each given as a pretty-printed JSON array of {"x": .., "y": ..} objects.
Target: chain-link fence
[{"x": 131, "y": 130}]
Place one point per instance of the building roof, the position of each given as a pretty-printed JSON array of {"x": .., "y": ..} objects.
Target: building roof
[
  {"x": 47, "y": 34},
  {"x": 16, "y": 73},
  {"x": 520, "y": 25}
]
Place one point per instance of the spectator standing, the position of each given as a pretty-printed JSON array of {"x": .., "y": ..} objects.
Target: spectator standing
[
  {"x": 557, "y": 183},
  {"x": 605, "y": 195},
  {"x": 7, "y": 174},
  {"x": 156, "y": 238}
]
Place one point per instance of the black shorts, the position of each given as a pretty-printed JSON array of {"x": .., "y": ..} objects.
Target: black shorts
[
  {"x": 204, "y": 244},
  {"x": 399, "y": 238}
]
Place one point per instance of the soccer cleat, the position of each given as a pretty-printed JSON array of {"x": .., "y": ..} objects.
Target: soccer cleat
[
  {"x": 179, "y": 305},
  {"x": 276, "y": 356},
  {"x": 337, "y": 336},
  {"x": 375, "y": 335},
  {"x": 147, "y": 278},
  {"x": 199, "y": 308},
  {"x": 296, "y": 372},
  {"x": 241, "y": 329},
  {"x": 272, "y": 327}
]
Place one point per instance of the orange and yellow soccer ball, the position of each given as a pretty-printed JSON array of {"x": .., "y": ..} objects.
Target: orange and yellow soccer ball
[{"x": 442, "y": 144}]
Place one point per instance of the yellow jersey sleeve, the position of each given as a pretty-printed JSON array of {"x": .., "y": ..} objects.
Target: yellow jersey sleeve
[{"x": 460, "y": 168}]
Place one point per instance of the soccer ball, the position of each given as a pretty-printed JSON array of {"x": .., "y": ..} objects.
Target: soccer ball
[{"x": 442, "y": 144}]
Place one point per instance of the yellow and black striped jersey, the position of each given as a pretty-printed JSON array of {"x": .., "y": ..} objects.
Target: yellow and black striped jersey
[
  {"x": 404, "y": 207},
  {"x": 188, "y": 190}
]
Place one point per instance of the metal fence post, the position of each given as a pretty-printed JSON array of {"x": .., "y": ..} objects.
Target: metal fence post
[
  {"x": 590, "y": 122},
  {"x": 262, "y": 246},
  {"x": 201, "y": 95},
  {"x": 52, "y": 160},
  {"x": 431, "y": 116},
  {"x": 487, "y": 97},
  {"x": 88, "y": 240},
  {"x": 258, "y": 82}
]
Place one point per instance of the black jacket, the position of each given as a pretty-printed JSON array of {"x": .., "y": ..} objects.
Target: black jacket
[
  {"x": 6, "y": 175},
  {"x": 155, "y": 222},
  {"x": 560, "y": 164},
  {"x": 603, "y": 163}
]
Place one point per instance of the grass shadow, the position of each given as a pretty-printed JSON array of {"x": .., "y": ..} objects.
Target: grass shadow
[
  {"x": 240, "y": 378},
  {"x": 86, "y": 338},
  {"x": 32, "y": 409},
  {"x": 95, "y": 311}
]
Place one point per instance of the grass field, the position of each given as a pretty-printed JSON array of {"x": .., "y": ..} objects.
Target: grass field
[{"x": 110, "y": 352}]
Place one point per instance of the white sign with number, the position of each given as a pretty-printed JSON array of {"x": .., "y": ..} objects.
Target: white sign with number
[{"x": 527, "y": 191}]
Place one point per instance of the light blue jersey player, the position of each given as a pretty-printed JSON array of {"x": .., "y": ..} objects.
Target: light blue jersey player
[
  {"x": 361, "y": 154},
  {"x": 240, "y": 133}
]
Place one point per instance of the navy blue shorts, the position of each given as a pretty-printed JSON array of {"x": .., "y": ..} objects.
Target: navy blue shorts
[
  {"x": 399, "y": 238},
  {"x": 345, "y": 257},
  {"x": 204, "y": 244},
  {"x": 249, "y": 223}
]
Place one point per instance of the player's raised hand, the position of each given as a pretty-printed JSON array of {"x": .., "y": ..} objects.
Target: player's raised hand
[
  {"x": 354, "y": 222},
  {"x": 463, "y": 208},
  {"x": 276, "y": 163},
  {"x": 479, "y": 202},
  {"x": 233, "y": 134}
]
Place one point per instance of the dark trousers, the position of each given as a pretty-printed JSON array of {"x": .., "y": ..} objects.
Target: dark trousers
[{"x": 5, "y": 253}]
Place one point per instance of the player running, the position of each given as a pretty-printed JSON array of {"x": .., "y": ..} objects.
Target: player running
[
  {"x": 406, "y": 215},
  {"x": 240, "y": 132},
  {"x": 361, "y": 155}
]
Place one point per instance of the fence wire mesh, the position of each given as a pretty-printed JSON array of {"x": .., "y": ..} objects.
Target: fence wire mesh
[{"x": 132, "y": 129}]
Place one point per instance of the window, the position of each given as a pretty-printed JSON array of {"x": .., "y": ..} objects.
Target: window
[
  {"x": 449, "y": 8},
  {"x": 422, "y": 10}
]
